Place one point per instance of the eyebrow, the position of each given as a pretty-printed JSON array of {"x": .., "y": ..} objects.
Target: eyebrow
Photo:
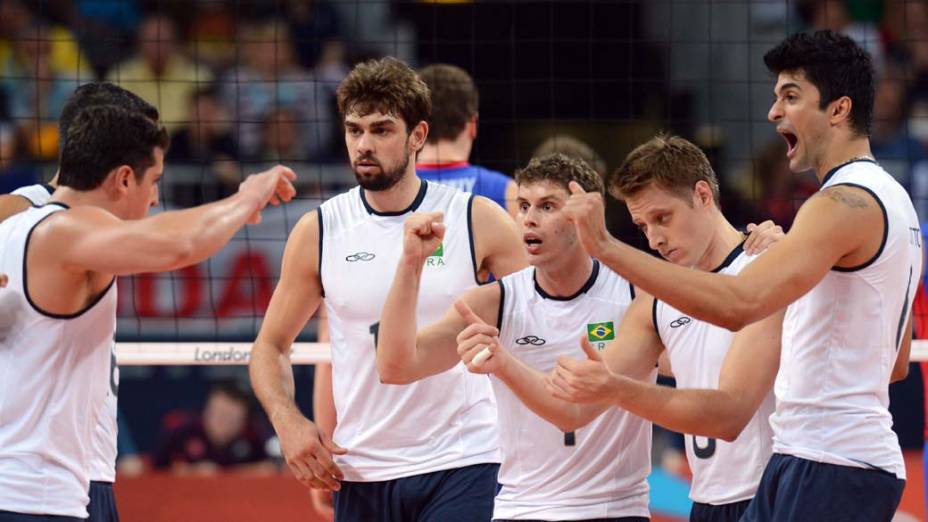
[{"x": 790, "y": 85}]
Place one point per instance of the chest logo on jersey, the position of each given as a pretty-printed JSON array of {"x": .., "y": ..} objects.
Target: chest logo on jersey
[
  {"x": 683, "y": 321},
  {"x": 360, "y": 256},
  {"x": 530, "y": 339},
  {"x": 438, "y": 256}
]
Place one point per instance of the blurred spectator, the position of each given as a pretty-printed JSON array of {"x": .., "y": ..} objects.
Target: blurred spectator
[
  {"x": 160, "y": 73},
  {"x": 212, "y": 33},
  {"x": 891, "y": 142},
  {"x": 282, "y": 141},
  {"x": 269, "y": 79},
  {"x": 65, "y": 56},
  {"x": 35, "y": 92},
  {"x": 834, "y": 15},
  {"x": 778, "y": 191},
  {"x": 313, "y": 24},
  {"x": 224, "y": 437},
  {"x": 906, "y": 24},
  {"x": 106, "y": 28},
  {"x": 573, "y": 147}
]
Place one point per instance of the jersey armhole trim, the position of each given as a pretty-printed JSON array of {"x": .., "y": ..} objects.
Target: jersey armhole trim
[
  {"x": 631, "y": 291},
  {"x": 654, "y": 318},
  {"x": 470, "y": 237},
  {"x": 32, "y": 303},
  {"x": 502, "y": 303},
  {"x": 319, "y": 268},
  {"x": 885, "y": 230}
]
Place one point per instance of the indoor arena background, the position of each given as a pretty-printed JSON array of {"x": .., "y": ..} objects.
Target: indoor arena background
[{"x": 244, "y": 84}]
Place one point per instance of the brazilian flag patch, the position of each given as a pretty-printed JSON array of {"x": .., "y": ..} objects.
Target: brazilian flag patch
[
  {"x": 440, "y": 251},
  {"x": 600, "y": 332}
]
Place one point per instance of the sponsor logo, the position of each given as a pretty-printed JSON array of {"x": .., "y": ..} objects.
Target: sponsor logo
[
  {"x": 438, "y": 256},
  {"x": 360, "y": 256},
  {"x": 598, "y": 332},
  {"x": 683, "y": 321},
  {"x": 231, "y": 355},
  {"x": 530, "y": 339}
]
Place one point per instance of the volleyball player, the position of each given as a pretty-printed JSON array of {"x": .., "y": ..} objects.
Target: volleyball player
[
  {"x": 422, "y": 452},
  {"x": 599, "y": 472},
  {"x": 86, "y": 95},
  {"x": 445, "y": 157},
  {"x": 102, "y": 506},
  {"x": 672, "y": 194},
  {"x": 62, "y": 259},
  {"x": 849, "y": 265}
]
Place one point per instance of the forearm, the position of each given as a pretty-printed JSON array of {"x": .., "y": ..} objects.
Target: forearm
[
  {"x": 709, "y": 413},
  {"x": 714, "y": 298},
  {"x": 203, "y": 230},
  {"x": 272, "y": 379},
  {"x": 529, "y": 386},
  {"x": 396, "y": 336}
]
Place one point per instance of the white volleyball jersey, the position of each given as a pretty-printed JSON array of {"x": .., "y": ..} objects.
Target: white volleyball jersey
[
  {"x": 103, "y": 459},
  {"x": 599, "y": 471},
  {"x": 723, "y": 472},
  {"x": 38, "y": 194},
  {"x": 441, "y": 422},
  {"x": 841, "y": 339},
  {"x": 54, "y": 373}
]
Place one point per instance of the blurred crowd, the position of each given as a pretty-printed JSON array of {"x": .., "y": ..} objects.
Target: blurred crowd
[{"x": 233, "y": 81}]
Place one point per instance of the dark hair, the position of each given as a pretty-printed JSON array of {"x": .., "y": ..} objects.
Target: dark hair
[
  {"x": 386, "y": 85},
  {"x": 835, "y": 65},
  {"x": 102, "y": 93},
  {"x": 670, "y": 162},
  {"x": 104, "y": 137},
  {"x": 560, "y": 170},
  {"x": 454, "y": 100}
]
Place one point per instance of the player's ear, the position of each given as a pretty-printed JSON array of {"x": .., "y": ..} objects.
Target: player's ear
[
  {"x": 418, "y": 135},
  {"x": 702, "y": 193},
  {"x": 119, "y": 179}
]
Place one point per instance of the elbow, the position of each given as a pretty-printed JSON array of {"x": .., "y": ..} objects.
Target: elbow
[
  {"x": 179, "y": 252},
  {"x": 731, "y": 430},
  {"x": 739, "y": 314},
  {"x": 392, "y": 373}
]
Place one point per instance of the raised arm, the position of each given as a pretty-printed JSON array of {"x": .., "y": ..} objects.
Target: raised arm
[
  {"x": 634, "y": 352},
  {"x": 297, "y": 296},
  {"x": 94, "y": 240},
  {"x": 405, "y": 356},
  {"x": 839, "y": 226},
  {"x": 746, "y": 378}
]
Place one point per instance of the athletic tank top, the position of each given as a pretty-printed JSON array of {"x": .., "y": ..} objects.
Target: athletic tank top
[
  {"x": 54, "y": 375},
  {"x": 599, "y": 471},
  {"x": 841, "y": 339},
  {"x": 103, "y": 459},
  {"x": 441, "y": 422},
  {"x": 723, "y": 472}
]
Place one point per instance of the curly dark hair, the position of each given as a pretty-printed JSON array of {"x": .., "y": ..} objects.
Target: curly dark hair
[
  {"x": 388, "y": 86},
  {"x": 560, "y": 169},
  {"x": 836, "y": 65},
  {"x": 670, "y": 162},
  {"x": 454, "y": 100},
  {"x": 104, "y": 137}
]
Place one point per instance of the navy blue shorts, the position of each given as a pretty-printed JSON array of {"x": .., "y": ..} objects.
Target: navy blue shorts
[
  {"x": 460, "y": 494},
  {"x": 102, "y": 507},
  {"x": 7, "y": 516},
  {"x": 718, "y": 513},
  {"x": 798, "y": 489},
  {"x": 623, "y": 519}
]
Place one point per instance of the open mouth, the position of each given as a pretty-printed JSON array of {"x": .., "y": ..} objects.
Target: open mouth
[
  {"x": 532, "y": 243},
  {"x": 792, "y": 141}
]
